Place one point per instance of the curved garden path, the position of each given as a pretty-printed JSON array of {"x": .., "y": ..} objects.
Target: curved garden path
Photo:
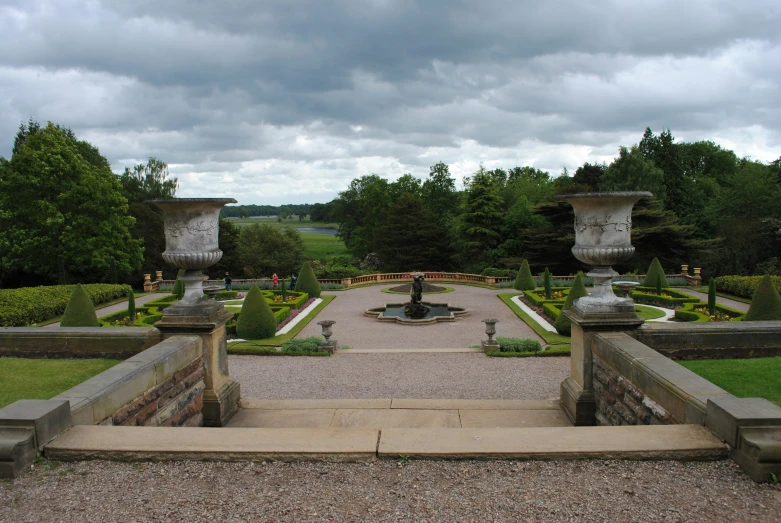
[{"x": 359, "y": 331}]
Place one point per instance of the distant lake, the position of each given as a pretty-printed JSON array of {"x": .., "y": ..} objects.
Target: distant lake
[{"x": 318, "y": 230}]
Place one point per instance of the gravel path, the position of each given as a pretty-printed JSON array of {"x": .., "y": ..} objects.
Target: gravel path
[
  {"x": 732, "y": 304},
  {"x": 359, "y": 331},
  {"x": 388, "y": 491},
  {"x": 399, "y": 375}
]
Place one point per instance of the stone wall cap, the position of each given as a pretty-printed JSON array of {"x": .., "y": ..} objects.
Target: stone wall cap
[{"x": 635, "y": 194}]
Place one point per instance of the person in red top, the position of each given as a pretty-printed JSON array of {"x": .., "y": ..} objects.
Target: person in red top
[{"x": 275, "y": 279}]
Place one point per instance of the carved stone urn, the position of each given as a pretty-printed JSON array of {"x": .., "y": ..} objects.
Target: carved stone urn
[
  {"x": 191, "y": 240},
  {"x": 603, "y": 229}
]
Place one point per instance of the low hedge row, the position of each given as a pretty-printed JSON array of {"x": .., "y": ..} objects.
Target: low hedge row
[
  {"x": 687, "y": 313},
  {"x": 670, "y": 302},
  {"x": 743, "y": 286},
  {"x": 300, "y": 298},
  {"x": 552, "y": 310},
  {"x": 280, "y": 313},
  {"x": 539, "y": 301},
  {"x": 29, "y": 305}
]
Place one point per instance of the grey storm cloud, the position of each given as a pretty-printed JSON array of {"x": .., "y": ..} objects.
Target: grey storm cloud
[{"x": 287, "y": 101}]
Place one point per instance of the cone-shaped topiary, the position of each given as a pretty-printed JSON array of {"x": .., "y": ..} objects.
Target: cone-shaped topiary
[
  {"x": 307, "y": 282},
  {"x": 524, "y": 280},
  {"x": 578, "y": 290},
  {"x": 547, "y": 283},
  {"x": 283, "y": 289},
  {"x": 712, "y": 296},
  {"x": 256, "y": 321},
  {"x": 178, "y": 289},
  {"x": 80, "y": 311},
  {"x": 651, "y": 276},
  {"x": 659, "y": 284},
  {"x": 131, "y": 305},
  {"x": 766, "y": 303}
]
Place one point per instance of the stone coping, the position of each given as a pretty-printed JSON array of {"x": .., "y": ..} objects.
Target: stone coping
[
  {"x": 97, "y": 398},
  {"x": 76, "y": 342},
  {"x": 683, "y": 442},
  {"x": 400, "y": 403}
]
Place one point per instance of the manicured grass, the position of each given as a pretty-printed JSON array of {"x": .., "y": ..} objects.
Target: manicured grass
[
  {"x": 261, "y": 346},
  {"x": 323, "y": 246},
  {"x": 97, "y": 308},
  {"x": 745, "y": 378},
  {"x": 552, "y": 350},
  {"x": 551, "y": 338},
  {"x": 294, "y": 223},
  {"x": 447, "y": 289},
  {"x": 647, "y": 313},
  {"x": 24, "y": 378}
]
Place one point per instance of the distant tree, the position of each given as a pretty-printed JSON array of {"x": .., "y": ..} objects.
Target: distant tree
[
  {"x": 229, "y": 241},
  {"x": 481, "y": 219},
  {"x": 439, "y": 193},
  {"x": 632, "y": 172},
  {"x": 589, "y": 175},
  {"x": 360, "y": 211},
  {"x": 59, "y": 212},
  {"x": 265, "y": 249},
  {"x": 406, "y": 184}
]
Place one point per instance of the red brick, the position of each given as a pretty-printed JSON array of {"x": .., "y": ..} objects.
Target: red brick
[{"x": 128, "y": 411}]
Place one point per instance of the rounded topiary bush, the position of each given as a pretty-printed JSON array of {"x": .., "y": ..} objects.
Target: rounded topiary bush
[
  {"x": 524, "y": 280},
  {"x": 307, "y": 282},
  {"x": 578, "y": 290},
  {"x": 651, "y": 277},
  {"x": 80, "y": 311},
  {"x": 766, "y": 303},
  {"x": 256, "y": 321}
]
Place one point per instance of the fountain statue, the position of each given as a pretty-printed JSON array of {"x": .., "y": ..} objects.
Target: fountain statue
[
  {"x": 416, "y": 311},
  {"x": 415, "y": 308}
]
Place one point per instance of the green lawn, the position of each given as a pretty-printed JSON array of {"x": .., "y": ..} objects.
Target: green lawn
[
  {"x": 323, "y": 246},
  {"x": 551, "y": 338},
  {"x": 241, "y": 222},
  {"x": 23, "y": 378},
  {"x": 647, "y": 313},
  {"x": 745, "y": 378}
]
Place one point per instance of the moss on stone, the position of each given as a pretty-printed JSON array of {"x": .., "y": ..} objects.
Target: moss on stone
[
  {"x": 256, "y": 321},
  {"x": 524, "y": 280},
  {"x": 766, "y": 303},
  {"x": 80, "y": 311},
  {"x": 307, "y": 281}
]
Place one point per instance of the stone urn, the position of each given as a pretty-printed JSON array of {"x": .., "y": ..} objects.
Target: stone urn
[
  {"x": 603, "y": 230},
  {"x": 326, "y": 326},
  {"x": 191, "y": 240},
  {"x": 490, "y": 329}
]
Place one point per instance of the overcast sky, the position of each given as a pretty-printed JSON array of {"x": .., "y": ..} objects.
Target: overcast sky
[{"x": 286, "y": 101}]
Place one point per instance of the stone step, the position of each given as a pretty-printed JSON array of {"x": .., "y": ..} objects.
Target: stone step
[
  {"x": 679, "y": 442},
  {"x": 400, "y": 403}
]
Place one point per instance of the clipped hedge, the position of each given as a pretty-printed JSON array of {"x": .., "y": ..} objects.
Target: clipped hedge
[
  {"x": 29, "y": 305},
  {"x": 256, "y": 321},
  {"x": 766, "y": 303},
  {"x": 743, "y": 286},
  {"x": 300, "y": 298},
  {"x": 307, "y": 282},
  {"x": 518, "y": 344},
  {"x": 676, "y": 299},
  {"x": 552, "y": 310},
  {"x": 524, "y": 280},
  {"x": 80, "y": 311},
  {"x": 655, "y": 272},
  {"x": 688, "y": 314},
  {"x": 226, "y": 295},
  {"x": 539, "y": 301}
]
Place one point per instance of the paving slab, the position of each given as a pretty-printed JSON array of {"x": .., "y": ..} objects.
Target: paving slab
[
  {"x": 290, "y": 419},
  {"x": 404, "y": 403},
  {"x": 252, "y": 403},
  {"x": 395, "y": 418},
  {"x": 513, "y": 418},
  {"x": 209, "y": 444},
  {"x": 679, "y": 442}
]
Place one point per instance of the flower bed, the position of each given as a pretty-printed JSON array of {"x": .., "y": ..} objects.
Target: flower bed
[{"x": 698, "y": 312}]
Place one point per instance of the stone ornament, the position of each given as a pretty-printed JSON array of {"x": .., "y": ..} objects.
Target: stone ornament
[{"x": 603, "y": 229}]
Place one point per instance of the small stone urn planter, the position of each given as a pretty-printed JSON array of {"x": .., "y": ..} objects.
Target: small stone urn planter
[
  {"x": 603, "y": 230},
  {"x": 328, "y": 345},
  {"x": 191, "y": 240},
  {"x": 490, "y": 329}
]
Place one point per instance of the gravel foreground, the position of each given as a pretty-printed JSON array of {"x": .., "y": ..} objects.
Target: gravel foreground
[
  {"x": 394, "y": 375},
  {"x": 388, "y": 491}
]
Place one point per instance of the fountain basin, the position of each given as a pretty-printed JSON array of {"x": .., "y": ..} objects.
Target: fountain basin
[{"x": 438, "y": 312}]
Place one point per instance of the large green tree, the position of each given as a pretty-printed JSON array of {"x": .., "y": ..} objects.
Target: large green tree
[
  {"x": 360, "y": 211},
  {"x": 62, "y": 217},
  {"x": 632, "y": 172},
  {"x": 481, "y": 220},
  {"x": 265, "y": 249}
]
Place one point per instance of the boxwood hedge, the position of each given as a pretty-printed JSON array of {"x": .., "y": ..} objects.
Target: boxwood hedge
[
  {"x": 743, "y": 286},
  {"x": 29, "y": 305}
]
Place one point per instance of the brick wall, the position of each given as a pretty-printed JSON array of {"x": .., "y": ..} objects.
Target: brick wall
[
  {"x": 621, "y": 403},
  {"x": 176, "y": 402}
]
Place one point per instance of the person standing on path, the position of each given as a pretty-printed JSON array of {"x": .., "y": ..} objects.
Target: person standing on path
[
  {"x": 275, "y": 279},
  {"x": 228, "y": 281},
  {"x": 293, "y": 280}
]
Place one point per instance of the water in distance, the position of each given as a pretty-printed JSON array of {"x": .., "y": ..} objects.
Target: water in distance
[{"x": 318, "y": 230}]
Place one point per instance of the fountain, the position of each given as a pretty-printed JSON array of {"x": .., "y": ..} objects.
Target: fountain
[{"x": 416, "y": 311}]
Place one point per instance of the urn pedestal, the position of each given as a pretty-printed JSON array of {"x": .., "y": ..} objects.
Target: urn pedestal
[
  {"x": 603, "y": 227},
  {"x": 191, "y": 238}
]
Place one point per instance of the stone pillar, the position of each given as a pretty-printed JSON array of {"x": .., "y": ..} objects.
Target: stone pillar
[
  {"x": 684, "y": 269},
  {"x": 158, "y": 275},
  {"x": 697, "y": 277},
  {"x": 207, "y": 319},
  {"x": 147, "y": 283},
  {"x": 347, "y": 282},
  {"x": 577, "y": 392}
]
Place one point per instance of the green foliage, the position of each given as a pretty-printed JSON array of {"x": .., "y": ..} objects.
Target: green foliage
[
  {"x": 524, "y": 280},
  {"x": 745, "y": 378},
  {"x": 712, "y": 296},
  {"x": 307, "y": 282},
  {"x": 265, "y": 249},
  {"x": 337, "y": 272},
  {"x": 481, "y": 219},
  {"x": 518, "y": 344},
  {"x": 632, "y": 172},
  {"x": 80, "y": 311},
  {"x": 226, "y": 295},
  {"x": 766, "y": 303},
  {"x": 652, "y": 275},
  {"x": 547, "y": 283},
  {"x": 131, "y": 305},
  {"x": 283, "y": 289},
  {"x": 256, "y": 321},
  {"x": 310, "y": 344},
  {"x": 578, "y": 290},
  {"x": 63, "y": 215},
  {"x": 743, "y": 286},
  {"x": 698, "y": 312},
  {"x": 30, "y": 305},
  {"x": 178, "y": 289},
  {"x": 659, "y": 284}
]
